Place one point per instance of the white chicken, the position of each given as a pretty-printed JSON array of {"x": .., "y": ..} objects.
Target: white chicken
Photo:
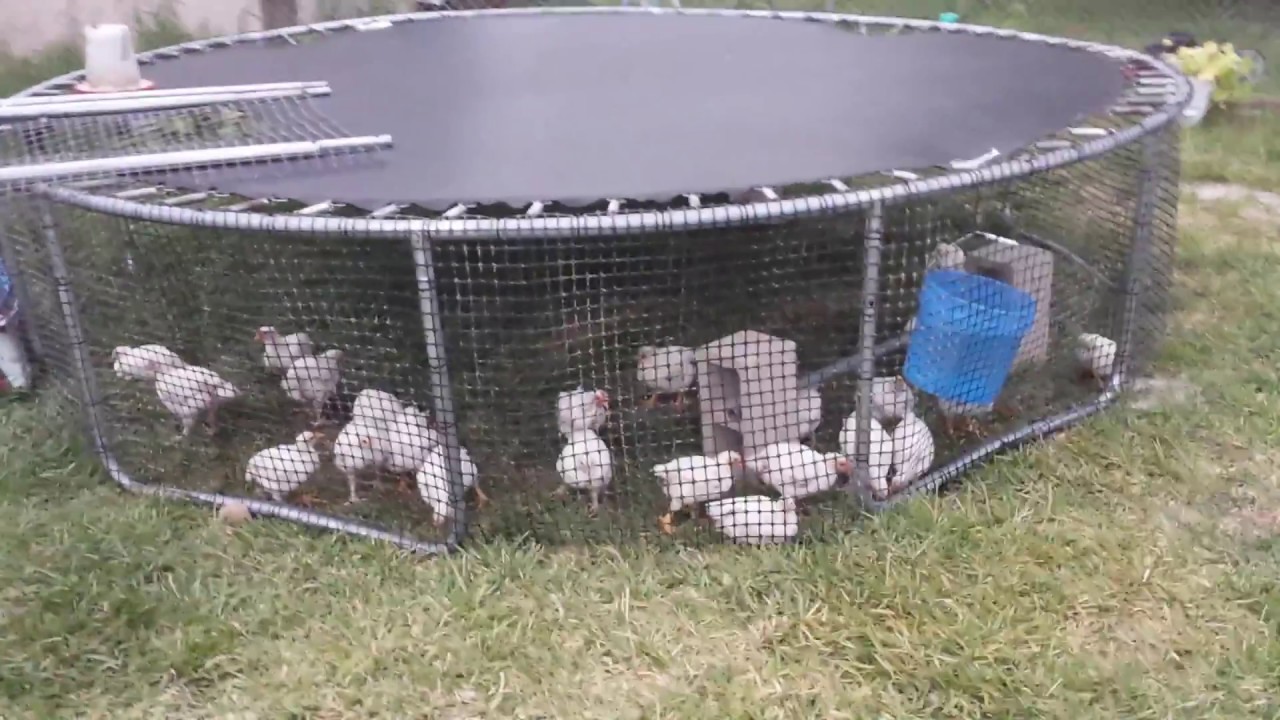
[
  {"x": 912, "y": 451},
  {"x": 434, "y": 486},
  {"x": 378, "y": 406},
  {"x": 143, "y": 362},
  {"x": 798, "y": 471},
  {"x": 284, "y": 468},
  {"x": 881, "y": 456},
  {"x": 946, "y": 256},
  {"x": 314, "y": 379},
  {"x": 694, "y": 479},
  {"x": 755, "y": 519},
  {"x": 582, "y": 409},
  {"x": 891, "y": 399},
  {"x": 280, "y": 352},
  {"x": 670, "y": 370},
  {"x": 190, "y": 390},
  {"x": 410, "y": 438},
  {"x": 360, "y": 446},
  {"x": 1096, "y": 357},
  {"x": 586, "y": 463}
]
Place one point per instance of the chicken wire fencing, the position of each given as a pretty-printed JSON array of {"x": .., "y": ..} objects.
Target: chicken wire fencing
[{"x": 759, "y": 381}]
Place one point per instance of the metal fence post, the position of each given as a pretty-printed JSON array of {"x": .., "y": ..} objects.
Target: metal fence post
[
  {"x": 441, "y": 389},
  {"x": 872, "y": 242}
]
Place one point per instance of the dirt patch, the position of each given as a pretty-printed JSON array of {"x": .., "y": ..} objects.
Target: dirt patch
[
  {"x": 1260, "y": 205},
  {"x": 1251, "y": 524},
  {"x": 1156, "y": 393}
]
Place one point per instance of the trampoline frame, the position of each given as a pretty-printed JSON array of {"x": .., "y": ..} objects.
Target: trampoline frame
[{"x": 1164, "y": 92}]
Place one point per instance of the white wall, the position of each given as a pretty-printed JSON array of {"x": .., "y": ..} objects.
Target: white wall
[{"x": 30, "y": 25}]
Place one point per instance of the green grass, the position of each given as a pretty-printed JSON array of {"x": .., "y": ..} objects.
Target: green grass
[{"x": 1125, "y": 570}]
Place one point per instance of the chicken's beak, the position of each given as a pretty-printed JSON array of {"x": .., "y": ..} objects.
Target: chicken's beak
[{"x": 844, "y": 467}]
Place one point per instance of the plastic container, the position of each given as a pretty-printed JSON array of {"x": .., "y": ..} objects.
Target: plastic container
[
  {"x": 949, "y": 17},
  {"x": 967, "y": 335},
  {"x": 109, "y": 60}
]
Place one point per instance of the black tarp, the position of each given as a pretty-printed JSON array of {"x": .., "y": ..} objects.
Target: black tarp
[{"x": 575, "y": 108}]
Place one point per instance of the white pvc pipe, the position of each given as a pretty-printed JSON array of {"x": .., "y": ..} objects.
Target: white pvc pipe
[
  {"x": 186, "y": 158},
  {"x": 105, "y": 106},
  {"x": 166, "y": 92}
]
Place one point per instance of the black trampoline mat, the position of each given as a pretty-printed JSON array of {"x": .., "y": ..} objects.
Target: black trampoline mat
[{"x": 577, "y": 108}]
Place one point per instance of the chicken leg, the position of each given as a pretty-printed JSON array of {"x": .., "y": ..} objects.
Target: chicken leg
[
  {"x": 960, "y": 426},
  {"x": 352, "y": 496},
  {"x": 481, "y": 498},
  {"x": 212, "y": 421},
  {"x": 306, "y": 500},
  {"x": 317, "y": 414},
  {"x": 666, "y": 524}
]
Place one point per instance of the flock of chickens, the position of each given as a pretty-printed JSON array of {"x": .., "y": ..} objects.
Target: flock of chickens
[{"x": 385, "y": 433}]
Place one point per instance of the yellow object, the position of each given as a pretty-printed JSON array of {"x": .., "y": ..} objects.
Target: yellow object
[{"x": 1220, "y": 65}]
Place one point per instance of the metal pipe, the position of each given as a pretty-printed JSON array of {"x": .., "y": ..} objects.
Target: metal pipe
[
  {"x": 167, "y": 92},
  {"x": 441, "y": 388},
  {"x": 81, "y": 364},
  {"x": 108, "y": 105},
  {"x": 161, "y": 161},
  {"x": 872, "y": 244}
]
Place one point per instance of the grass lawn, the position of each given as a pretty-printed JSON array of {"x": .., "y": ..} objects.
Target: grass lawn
[{"x": 1128, "y": 569}]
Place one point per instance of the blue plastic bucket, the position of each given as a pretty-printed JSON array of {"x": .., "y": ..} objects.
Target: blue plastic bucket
[{"x": 968, "y": 331}]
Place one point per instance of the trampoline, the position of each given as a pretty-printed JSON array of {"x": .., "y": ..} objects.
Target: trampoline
[{"x": 570, "y": 188}]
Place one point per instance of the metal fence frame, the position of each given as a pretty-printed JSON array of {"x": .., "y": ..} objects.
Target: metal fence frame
[{"x": 423, "y": 234}]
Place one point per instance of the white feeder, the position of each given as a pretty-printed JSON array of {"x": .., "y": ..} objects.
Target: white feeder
[{"x": 110, "y": 63}]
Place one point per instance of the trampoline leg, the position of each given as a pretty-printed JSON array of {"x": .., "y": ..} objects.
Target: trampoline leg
[
  {"x": 441, "y": 389},
  {"x": 1137, "y": 266},
  {"x": 873, "y": 235},
  {"x": 76, "y": 342}
]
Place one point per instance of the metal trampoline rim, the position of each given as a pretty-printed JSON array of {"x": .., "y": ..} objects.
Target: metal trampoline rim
[{"x": 642, "y": 222}]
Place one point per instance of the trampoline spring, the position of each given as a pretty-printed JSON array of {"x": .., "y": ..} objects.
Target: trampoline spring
[
  {"x": 248, "y": 205},
  {"x": 188, "y": 198},
  {"x": 535, "y": 208},
  {"x": 386, "y": 211},
  {"x": 695, "y": 201},
  {"x": 455, "y": 211},
  {"x": 977, "y": 162},
  {"x": 1089, "y": 131},
  {"x": 903, "y": 175},
  {"x": 614, "y": 206},
  {"x": 317, "y": 209},
  {"x": 838, "y": 184},
  {"x": 139, "y": 193}
]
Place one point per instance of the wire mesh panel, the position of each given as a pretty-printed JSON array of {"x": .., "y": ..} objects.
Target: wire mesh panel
[{"x": 761, "y": 377}]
